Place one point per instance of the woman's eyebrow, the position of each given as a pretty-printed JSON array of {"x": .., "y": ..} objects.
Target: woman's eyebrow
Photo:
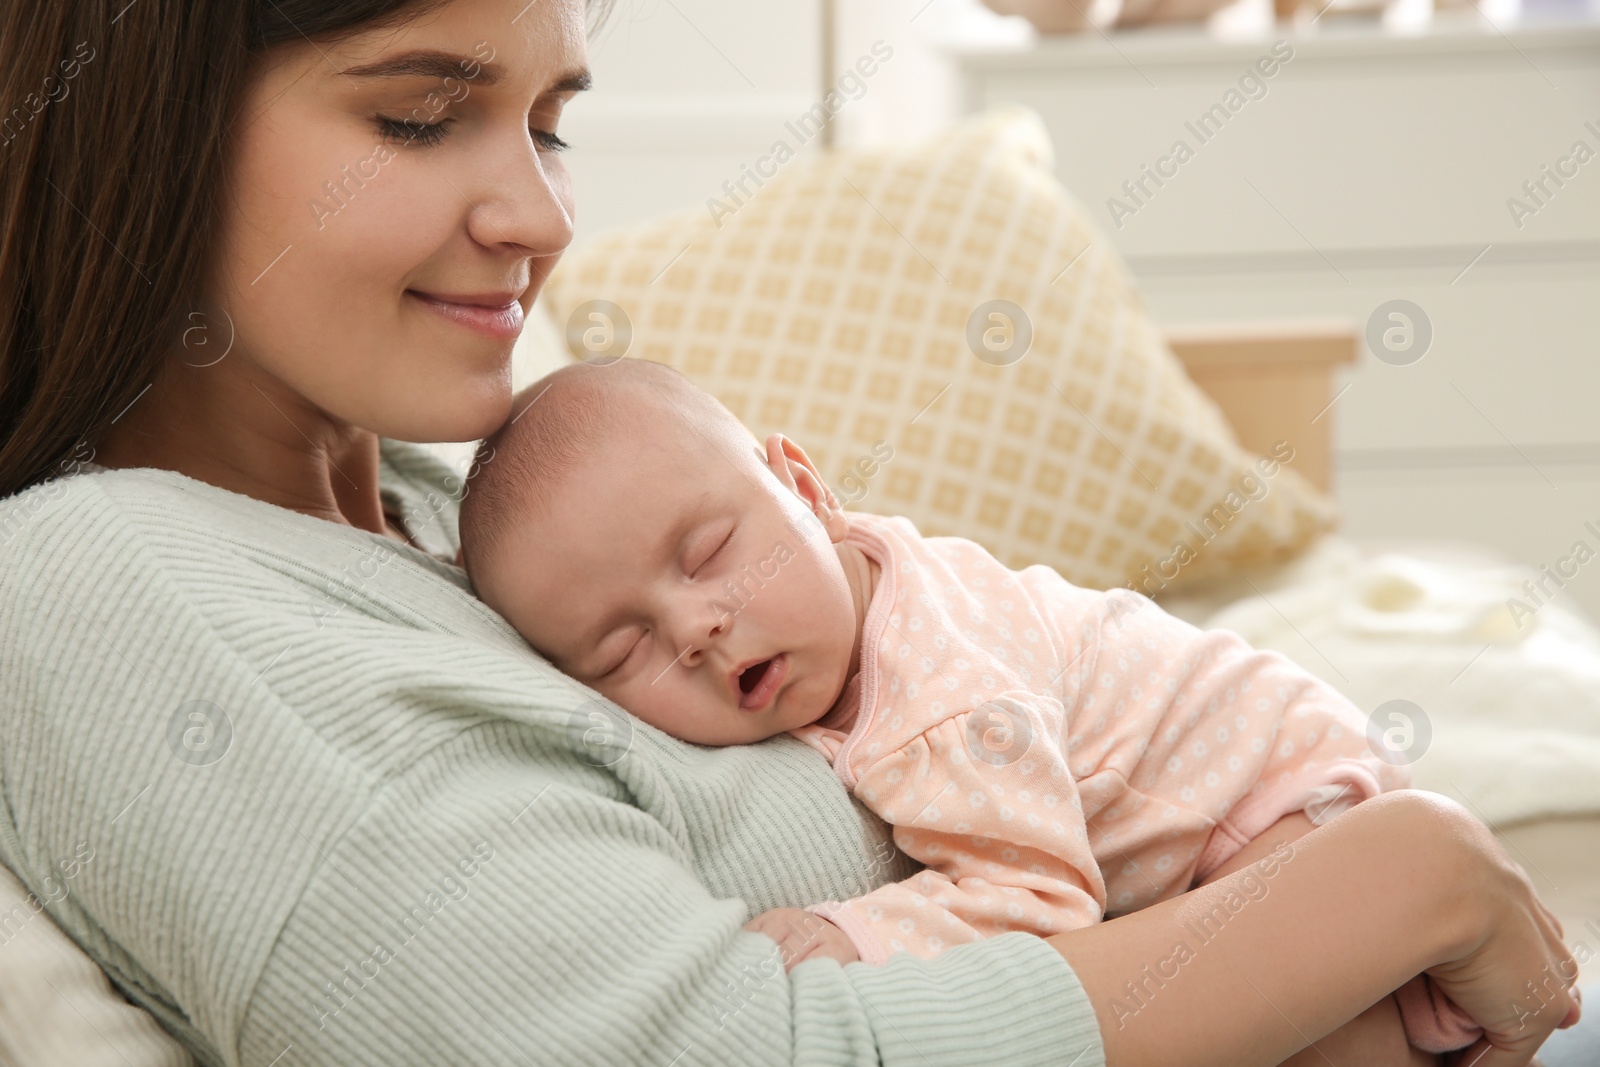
[
  {"x": 427, "y": 63},
  {"x": 430, "y": 63}
]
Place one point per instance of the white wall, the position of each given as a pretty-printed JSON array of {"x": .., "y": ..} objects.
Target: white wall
[
  {"x": 689, "y": 91},
  {"x": 686, "y": 92},
  {"x": 1377, "y": 167}
]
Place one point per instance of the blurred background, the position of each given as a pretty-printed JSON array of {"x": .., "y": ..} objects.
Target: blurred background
[{"x": 1337, "y": 158}]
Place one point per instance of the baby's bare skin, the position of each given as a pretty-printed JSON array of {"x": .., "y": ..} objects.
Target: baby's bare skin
[{"x": 802, "y": 935}]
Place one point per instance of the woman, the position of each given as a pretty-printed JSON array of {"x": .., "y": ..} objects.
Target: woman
[{"x": 332, "y": 809}]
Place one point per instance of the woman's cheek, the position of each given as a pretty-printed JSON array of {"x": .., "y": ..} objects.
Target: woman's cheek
[{"x": 391, "y": 221}]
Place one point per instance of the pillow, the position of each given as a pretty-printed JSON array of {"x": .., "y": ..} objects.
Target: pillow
[
  {"x": 951, "y": 340},
  {"x": 58, "y": 1007}
]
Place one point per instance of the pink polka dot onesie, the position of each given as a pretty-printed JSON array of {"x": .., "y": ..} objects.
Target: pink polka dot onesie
[{"x": 1055, "y": 755}]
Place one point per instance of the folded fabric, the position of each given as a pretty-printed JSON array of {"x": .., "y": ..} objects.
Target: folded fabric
[{"x": 1433, "y": 1022}]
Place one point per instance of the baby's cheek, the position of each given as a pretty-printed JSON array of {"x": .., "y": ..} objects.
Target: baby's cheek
[{"x": 662, "y": 703}]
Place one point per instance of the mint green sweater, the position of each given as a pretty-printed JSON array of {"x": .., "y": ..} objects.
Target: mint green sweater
[{"x": 303, "y": 796}]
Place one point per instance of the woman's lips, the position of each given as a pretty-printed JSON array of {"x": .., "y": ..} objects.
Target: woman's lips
[
  {"x": 762, "y": 694},
  {"x": 503, "y": 321}
]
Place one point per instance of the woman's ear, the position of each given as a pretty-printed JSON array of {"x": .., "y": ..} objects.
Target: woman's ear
[{"x": 798, "y": 474}]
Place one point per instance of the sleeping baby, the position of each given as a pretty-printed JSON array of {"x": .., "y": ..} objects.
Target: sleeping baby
[{"x": 1052, "y": 755}]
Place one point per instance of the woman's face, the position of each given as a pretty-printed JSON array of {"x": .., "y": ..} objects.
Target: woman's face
[{"x": 396, "y": 200}]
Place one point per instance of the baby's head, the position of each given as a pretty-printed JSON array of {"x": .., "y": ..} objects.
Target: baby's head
[{"x": 640, "y": 538}]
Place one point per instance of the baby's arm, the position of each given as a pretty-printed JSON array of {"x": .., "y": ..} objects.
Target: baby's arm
[
  {"x": 1002, "y": 842},
  {"x": 1374, "y": 1037}
]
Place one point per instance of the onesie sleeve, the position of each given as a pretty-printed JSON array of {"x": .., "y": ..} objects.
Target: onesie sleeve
[
  {"x": 1187, "y": 744},
  {"x": 989, "y": 806}
]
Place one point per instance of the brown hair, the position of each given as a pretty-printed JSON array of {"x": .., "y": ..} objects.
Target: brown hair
[{"x": 114, "y": 121}]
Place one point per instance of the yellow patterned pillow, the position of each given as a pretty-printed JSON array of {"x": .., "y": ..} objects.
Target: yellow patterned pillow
[{"x": 950, "y": 339}]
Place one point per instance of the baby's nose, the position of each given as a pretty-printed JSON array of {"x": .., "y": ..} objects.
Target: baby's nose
[{"x": 702, "y": 629}]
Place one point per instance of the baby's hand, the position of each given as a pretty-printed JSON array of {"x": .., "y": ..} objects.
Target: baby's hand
[{"x": 802, "y": 935}]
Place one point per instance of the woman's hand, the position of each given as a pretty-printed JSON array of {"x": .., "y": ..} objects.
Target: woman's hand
[
  {"x": 1512, "y": 973},
  {"x": 1254, "y": 967},
  {"x": 802, "y": 935}
]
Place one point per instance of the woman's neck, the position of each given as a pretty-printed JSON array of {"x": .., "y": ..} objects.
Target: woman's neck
[{"x": 243, "y": 431}]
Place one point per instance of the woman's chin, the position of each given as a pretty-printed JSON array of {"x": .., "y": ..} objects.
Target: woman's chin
[
  {"x": 440, "y": 427},
  {"x": 438, "y": 421}
]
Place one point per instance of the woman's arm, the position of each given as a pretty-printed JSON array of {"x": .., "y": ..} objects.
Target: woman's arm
[
  {"x": 585, "y": 937},
  {"x": 1247, "y": 970},
  {"x": 1290, "y": 828},
  {"x": 1377, "y": 1036}
]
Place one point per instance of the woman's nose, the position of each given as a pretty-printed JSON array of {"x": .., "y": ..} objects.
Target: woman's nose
[{"x": 520, "y": 196}]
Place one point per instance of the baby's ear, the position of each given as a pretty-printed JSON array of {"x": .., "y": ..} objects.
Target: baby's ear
[
  {"x": 795, "y": 470},
  {"x": 789, "y": 462},
  {"x": 776, "y": 457}
]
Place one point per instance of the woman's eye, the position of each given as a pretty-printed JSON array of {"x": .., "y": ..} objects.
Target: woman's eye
[
  {"x": 411, "y": 131},
  {"x": 548, "y": 141}
]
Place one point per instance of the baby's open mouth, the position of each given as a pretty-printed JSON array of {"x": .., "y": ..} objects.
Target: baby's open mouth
[
  {"x": 752, "y": 676},
  {"x": 759, "y": 683}
]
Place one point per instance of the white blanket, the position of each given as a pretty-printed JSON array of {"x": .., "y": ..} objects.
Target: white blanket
[{"x": 1513, "y": 700}]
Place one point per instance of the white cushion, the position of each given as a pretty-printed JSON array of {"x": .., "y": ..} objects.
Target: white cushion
[{"x": 57, "y": 1007}]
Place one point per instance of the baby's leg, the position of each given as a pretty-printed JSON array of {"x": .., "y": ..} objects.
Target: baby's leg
[
  {"x": 1375, "y": 1037},
  {"x": 1187, "y": 744}
]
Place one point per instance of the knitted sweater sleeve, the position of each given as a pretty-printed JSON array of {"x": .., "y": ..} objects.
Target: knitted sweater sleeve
[
  {"x": 492, "y": 913},
  {"x": 368, "y": 834}
]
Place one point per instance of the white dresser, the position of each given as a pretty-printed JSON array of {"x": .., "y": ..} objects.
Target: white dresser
[{"x": 1369, "y": 167}]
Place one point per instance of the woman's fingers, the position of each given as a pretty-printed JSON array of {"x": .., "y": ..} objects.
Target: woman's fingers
[
  {"x": 1554, "y": 919},
  {"x": 1515, "y": 981},
  {"x": 1555, "y": 936},
  {"x": 1554, "y": 931},
  {"x": 1483, "y": 1054},
  {"x": 1575, "y": 1012}
]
